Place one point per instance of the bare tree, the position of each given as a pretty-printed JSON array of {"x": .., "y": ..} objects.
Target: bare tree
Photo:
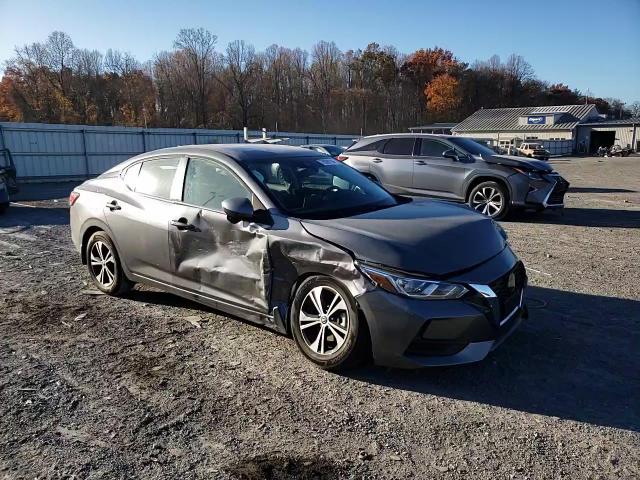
[
  {"x": 198, "y": 48},
  {"x": 239, "y": 78}
]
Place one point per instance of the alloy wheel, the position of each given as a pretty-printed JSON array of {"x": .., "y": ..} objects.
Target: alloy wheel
[
  {"x": 488, "y": 201},
  {"x": 324, "y": 320},
  {"x": 103, "y": 264}
]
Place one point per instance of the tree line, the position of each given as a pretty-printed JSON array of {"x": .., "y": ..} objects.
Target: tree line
[{"x": 199, "y": 85}]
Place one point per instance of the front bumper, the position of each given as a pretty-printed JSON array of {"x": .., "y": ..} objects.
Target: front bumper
[
  {"x": 539, "y": 194},
  {"x": 412, "y": 333}
]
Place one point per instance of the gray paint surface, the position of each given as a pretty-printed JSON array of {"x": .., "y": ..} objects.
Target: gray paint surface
[{"x": 251, "y": 268}]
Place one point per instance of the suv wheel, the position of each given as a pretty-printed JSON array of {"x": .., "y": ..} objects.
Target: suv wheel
[
  {"x": 491, "y": 199},
  {"x": 104, "y": 265},
  {"x": 326, "y": 326}
]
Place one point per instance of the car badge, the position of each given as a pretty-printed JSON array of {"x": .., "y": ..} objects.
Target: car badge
[{"x": 511, "y": 283}]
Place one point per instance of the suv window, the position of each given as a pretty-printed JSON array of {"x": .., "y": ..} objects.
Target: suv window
[
  {"x": 156, "y": 177},
  {"x": 367, "y": 146},
  {"x": 207, "y": 184},
  {"x": 399, "y": 146},
  {"x": 432, "y": 148}
]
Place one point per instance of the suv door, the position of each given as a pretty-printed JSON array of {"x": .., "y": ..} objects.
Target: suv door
[
  {"x": 394, "y": 166},
  {"x": 211, "y": 256},
  {"x": 436, "y": 175},
  {"x": 138, "y": 216}
]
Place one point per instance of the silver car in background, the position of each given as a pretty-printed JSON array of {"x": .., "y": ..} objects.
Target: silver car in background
[{"x": 458, "y": 169}]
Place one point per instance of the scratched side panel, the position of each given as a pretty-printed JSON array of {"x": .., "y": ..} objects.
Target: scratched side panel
[
  {"x": 219, "y": 259},
  {"x": 294, "y": 254}
]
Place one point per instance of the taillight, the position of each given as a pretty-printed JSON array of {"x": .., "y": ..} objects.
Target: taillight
[
  {"x": 342, "y": 158},
  {"x": 73, "y": 196}
]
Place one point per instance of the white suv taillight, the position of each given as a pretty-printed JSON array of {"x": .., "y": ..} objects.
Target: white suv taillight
[{"x": 73, "y": 196}]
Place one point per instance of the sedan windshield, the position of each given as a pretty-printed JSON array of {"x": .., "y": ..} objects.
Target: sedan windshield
[
  {"x": 318, "y": 188},
  {"x": 471, "y": 146}
]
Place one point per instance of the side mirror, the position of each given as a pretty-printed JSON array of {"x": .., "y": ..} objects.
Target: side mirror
[
  {"x": 238, "y": 209},
  {"x": 452, "y": 155}
]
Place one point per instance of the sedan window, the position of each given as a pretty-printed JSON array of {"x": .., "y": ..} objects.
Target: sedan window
[
  {"x": 207, "y": 184},
  {"x": 156, "y": 177}
]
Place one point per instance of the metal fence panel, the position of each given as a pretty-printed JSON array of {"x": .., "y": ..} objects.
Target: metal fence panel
[{"x": 44, "y": 151}]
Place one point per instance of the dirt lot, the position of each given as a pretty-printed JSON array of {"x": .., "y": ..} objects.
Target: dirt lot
[{"x": 152, "y": 386}]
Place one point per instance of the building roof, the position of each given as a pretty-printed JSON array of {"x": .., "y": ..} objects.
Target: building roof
[
  {"x": 614, "y": 123},
  {"x": 507, "y": 119},
  {"x": 434, "y": 126}
]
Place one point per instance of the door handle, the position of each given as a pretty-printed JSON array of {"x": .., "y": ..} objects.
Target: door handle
[
  {"x": 113, "y": 205},
  {"x": 420, "y": 162},
  {"x": 182, "y": 224},
  {"x": 376, "y": 160}
]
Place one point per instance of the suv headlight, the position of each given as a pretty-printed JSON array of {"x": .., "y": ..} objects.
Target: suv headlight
[
  {"x": 529, "y": 173},
  {"x": 413, "y": 287}
]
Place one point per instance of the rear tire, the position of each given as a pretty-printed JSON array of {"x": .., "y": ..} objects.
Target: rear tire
[
  {"x": 491, "y": 199},
  {"x": 332, "y": 335},
  {"x": 105, "y": 268}
]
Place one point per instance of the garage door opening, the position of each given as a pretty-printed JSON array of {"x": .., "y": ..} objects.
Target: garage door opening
[{"x": 601, "y": 139}]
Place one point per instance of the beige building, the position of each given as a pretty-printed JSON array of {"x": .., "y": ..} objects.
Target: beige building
[
  {"x": 625, "y": 133},
  {"x": 554, "y": 126}
]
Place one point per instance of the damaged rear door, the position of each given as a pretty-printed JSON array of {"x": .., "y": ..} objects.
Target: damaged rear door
[{"x": 211, "y": 256}]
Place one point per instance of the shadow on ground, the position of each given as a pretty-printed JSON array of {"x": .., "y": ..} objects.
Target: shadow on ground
[
  {"x": 599, "y": 190},
  {"x": 43, "y": 191},
  {"x": 576, "y": 358},
  {"x": 585, "y": 217},
  {"x": 25, "y": 217}
]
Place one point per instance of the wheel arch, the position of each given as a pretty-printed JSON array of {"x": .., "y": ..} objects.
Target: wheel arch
[
  {"x": 89, "y": 228},
  {"x": 301, "y": 279},
  {"x": 475, "y": 181}
]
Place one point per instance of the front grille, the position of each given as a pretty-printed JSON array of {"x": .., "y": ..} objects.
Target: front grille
[
  {"x": 509, "y": 295},
  {"x": 557, "y": 194}
]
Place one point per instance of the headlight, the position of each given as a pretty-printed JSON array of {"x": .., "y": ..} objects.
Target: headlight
[
  {"x": 413, "y": 287},
  {"x": 528, "y": 173}
]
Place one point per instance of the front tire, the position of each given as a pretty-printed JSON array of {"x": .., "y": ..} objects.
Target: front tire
[
  {"x": 105, "y": 268},
  {"x": 326, "y": 326},
  {"x": 490, "y": 199}
]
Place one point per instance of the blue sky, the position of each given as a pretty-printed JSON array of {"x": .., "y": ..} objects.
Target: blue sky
[{"x": 589, "y": 44}]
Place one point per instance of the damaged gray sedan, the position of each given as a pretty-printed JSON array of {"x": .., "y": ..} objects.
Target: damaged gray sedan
[{"x": 307, "y": 246}]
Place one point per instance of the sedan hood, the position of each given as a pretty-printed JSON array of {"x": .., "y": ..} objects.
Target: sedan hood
[
  {"x": 512, "y": 161},
  {"x": 430, "y": 237}
]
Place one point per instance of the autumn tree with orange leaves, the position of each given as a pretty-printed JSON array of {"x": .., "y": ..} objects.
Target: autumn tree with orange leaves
[{"x": 443, "y": 95}]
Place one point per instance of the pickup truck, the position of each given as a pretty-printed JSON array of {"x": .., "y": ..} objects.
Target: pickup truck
[{"x": 533, "y": 150}]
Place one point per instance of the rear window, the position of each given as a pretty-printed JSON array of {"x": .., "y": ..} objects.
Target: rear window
[
  {"x": 334, "y": 150},
  {"x": 367, "y": 145},
  {"x": 156, "y": 177},
  {"x": 399, "y": 146}
]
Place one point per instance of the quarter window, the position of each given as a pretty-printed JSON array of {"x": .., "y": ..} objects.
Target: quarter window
[
  {"x": 131, "y": 176},
  {"x": 156, "y": 177},
  {"x": 399, "y": 146},
  {"x": 432, "y": 148},
  {"x": 367, "y": 146},
  {"x": 207, "y": 184}
]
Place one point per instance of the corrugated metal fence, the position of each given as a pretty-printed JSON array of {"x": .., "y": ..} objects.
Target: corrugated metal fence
[{"x": 57, "y": 152}]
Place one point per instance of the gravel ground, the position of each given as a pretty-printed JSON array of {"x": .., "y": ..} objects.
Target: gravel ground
[{"x": 153, "y": 386}]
